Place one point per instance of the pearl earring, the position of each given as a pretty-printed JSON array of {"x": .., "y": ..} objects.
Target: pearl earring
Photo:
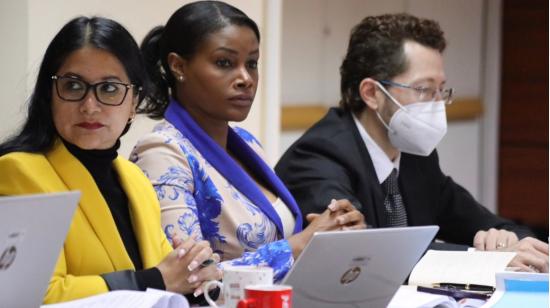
[
  {"x": 132, "y": 118},
  {"x": 180, "y": 78}
]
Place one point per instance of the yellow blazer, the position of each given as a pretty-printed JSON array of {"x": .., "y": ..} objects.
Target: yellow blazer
[{"x": 93, "y": 245}]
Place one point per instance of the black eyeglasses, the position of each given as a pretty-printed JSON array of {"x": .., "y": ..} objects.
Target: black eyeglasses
[
  {"x": 425, "y": 94},
  {"x": 109, "y": 93}
]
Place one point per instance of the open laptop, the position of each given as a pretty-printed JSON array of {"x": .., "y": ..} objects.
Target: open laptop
[
  {"x": 361, "y": 268},
  {"x": 32, "y": 231}
]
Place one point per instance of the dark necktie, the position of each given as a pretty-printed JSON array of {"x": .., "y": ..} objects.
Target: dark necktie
[{"x": 396, "y": 214}]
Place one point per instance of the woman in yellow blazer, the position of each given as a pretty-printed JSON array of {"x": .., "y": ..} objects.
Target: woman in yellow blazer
[{"x": 90, "y": 82}]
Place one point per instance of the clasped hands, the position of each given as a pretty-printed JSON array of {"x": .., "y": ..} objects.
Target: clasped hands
[
  {"x": 532, "y": 254},
  {"x": 339, "y": 215}
]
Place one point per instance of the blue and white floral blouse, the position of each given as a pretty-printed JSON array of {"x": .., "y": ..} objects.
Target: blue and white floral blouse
[{"x": 236, "y": 228}]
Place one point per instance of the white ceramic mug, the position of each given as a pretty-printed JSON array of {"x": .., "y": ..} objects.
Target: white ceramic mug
[{"x": 235, "y": 279}]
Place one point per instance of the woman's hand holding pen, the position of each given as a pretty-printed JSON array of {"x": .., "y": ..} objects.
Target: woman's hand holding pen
[{"x": 188, "y": 266}]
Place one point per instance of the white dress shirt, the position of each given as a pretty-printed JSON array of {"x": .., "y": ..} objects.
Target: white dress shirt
[{"x": 382, "y": 163}]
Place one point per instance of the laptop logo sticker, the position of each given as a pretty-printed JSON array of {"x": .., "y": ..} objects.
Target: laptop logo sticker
[
  {"x": 9, "y": 251},
  {"x": 350, "y": 275}
]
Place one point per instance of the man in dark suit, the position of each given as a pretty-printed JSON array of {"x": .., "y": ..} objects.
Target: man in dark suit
[{"x": 378, "y": 148}]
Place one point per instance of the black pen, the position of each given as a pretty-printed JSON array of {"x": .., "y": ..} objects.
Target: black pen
[
  {"x": 467, "y": 286},
  {"x": 207, "y": 262},
  {"x": 455, "y": 293}
]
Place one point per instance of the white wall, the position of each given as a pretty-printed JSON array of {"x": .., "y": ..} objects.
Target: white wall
[
  {"x": 315, "y": 38},
  {"x": 491, "y": 98},
  {"x": 462, "y": 21},
  {"x": 29, "y": 25},
  {"x": 13, "y": 61}
]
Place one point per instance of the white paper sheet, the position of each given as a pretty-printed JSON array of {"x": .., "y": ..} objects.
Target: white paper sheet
[
  {"x": 463, "y": 267},
  {"x": 128, "y": 299}
]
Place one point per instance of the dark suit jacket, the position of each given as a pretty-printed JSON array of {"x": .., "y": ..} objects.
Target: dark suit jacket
[{"x": 331, "y": 161}]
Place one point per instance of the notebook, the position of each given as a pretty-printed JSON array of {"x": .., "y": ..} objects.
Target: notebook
[
  {"x": 32, "y": 231},
  {"x": 409, "y": 297},
  {"x": 460, "y": 267},
  {"x": 362, "y": 268}
]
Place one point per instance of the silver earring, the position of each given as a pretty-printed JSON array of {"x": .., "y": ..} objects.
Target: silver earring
[{"x": 180, "y": 78}]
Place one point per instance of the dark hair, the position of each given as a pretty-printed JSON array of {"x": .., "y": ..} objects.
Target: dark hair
[
  {"x": 375, "y": 50},
  {"x": 186, "y": 29},
  {"x": 38, "y": 132}
]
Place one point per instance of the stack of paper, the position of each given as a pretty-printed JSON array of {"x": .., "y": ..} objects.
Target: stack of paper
[{"x": 128, "y": 299}]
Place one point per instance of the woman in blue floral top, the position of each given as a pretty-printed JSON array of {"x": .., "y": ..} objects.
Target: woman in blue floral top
[{"x": 211, "y": 179}]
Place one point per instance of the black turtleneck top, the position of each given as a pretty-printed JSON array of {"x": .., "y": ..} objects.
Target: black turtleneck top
[{"x": 100, "y": 165}]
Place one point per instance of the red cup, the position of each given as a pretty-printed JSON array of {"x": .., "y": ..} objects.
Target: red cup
[{"x": 266, "y": 296}]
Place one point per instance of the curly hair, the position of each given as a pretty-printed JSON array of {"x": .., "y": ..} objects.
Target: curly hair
[{"x": 375, "y": 50}]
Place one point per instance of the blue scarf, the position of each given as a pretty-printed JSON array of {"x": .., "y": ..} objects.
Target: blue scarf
[{"x": 226, "y": 166}]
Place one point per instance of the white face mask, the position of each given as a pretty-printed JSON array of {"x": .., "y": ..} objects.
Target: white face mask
[{"x": 416, "y": 128}]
